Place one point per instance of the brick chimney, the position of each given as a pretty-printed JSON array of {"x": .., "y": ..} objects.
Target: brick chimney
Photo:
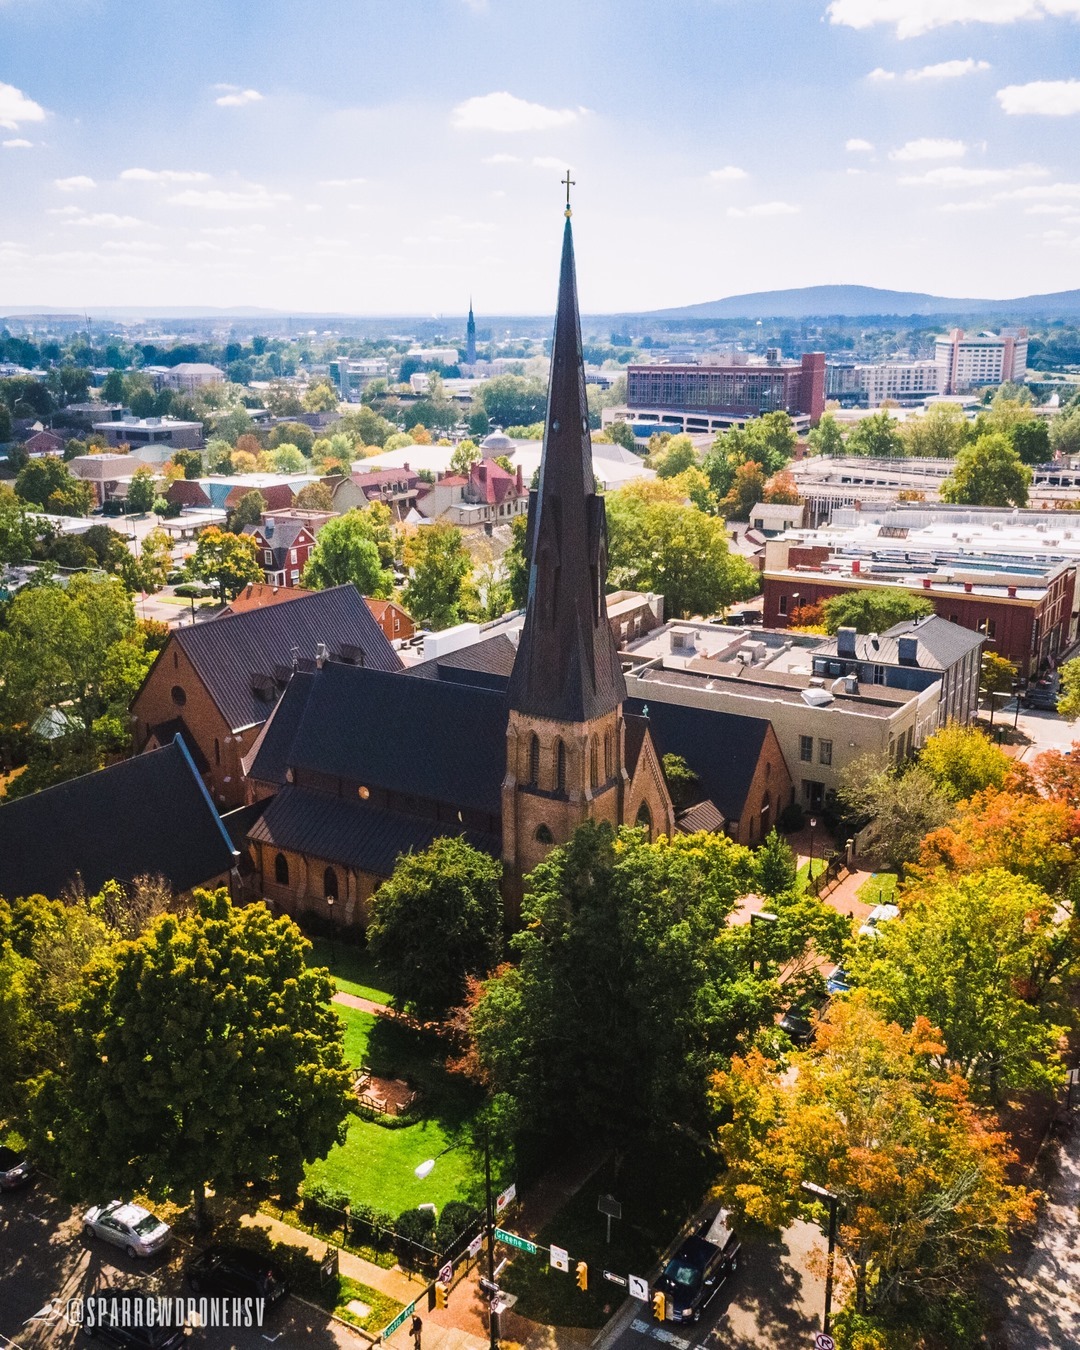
[
  {"x": 969, "y": 586},
  {"x": 520, "y": 481}
]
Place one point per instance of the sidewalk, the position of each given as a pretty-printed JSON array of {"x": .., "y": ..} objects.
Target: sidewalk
[{"x": 394, "y": 1282}]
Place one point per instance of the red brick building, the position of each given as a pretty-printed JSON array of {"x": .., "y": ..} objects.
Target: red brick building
[
  {"x": 395, "y": 622},
  {"x": 282, "y": 548},
  {"x": 739, "y": 390}
]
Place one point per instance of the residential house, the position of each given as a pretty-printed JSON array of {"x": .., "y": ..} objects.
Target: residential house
[
  {"x": 259, "y": 594},
  {"x": 395, "y": 488},
  {"x": 395, "y": 622},
  {"x": 218, "y": 682},
  {"x": 43, "y": 443},
  {"x": 485, "y": 497},
  {"x": 282, "y": 548}
]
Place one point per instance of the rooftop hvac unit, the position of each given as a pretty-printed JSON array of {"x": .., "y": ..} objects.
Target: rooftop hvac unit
[{"x": 816, "y": 697}]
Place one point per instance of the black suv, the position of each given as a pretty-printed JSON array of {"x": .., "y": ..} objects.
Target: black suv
[
  {"x": 698, "y": 1270},
  {"x": 233, "y": 1270},
  {"x": 128, "y": 1319}
]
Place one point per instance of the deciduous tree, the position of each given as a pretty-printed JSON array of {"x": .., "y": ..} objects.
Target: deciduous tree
[
  {"x": 226, "y": 560},
  {"x": 964, "y": 760},
  {"x": 438, "y": 920},
  {"x": 347, "y": 551},
  {"x": 141, "y": 491},
  {"x": 877, "y": 437},
  {"x": 204, "y": 1054},
  {"x": 988, "y": 473},
  {"x": 905, "y": 805},
  {"x": 439, "y": 569},
  {"x": 873, "y": 611}
]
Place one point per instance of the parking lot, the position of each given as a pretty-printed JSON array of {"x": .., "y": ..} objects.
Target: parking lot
[{"x": 45, "y": 1261}]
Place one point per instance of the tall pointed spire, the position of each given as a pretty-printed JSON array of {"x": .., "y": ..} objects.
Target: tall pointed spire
[
  {"x": 470, "y": 337},
  {"x": 567, "y": 667}
]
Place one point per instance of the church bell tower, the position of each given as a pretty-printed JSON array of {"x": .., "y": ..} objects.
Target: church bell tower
[{"x": 565, "y": 738}]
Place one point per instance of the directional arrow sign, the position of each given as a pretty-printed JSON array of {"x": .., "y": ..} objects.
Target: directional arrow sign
[
  {"x": 823, "y": 1341},
  {"x": 512, "y": 1240},
  {"x": 639, "y": 1288},
  {"x": 615, "y": 1279}
]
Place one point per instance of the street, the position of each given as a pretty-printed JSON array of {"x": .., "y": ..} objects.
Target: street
[
  {"x": 771, "y": 1300},
  {"x": 44, "y": 1261}
]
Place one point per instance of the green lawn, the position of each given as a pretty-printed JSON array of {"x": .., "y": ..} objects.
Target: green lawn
[
  {"x": 878, "y": 889},
  {"x": 375, "y": 1164},
  {"x": 659, "y": 1187},
  {"x": 353, "y": 970},
  {"x": 804, "y": 871}
]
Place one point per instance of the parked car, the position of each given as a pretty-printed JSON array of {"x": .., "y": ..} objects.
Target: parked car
[
  {"x": 233, "y": 1270},
  {"x": 837, "y": 981},
  {"x": 799, "y": 1020},
  {"x": 131, "y": 1227},
  {"x": 1043, "y": 694},
  {"x": 699, "y": 1269},
  {"x": 15, "y": 1169},
  {"x": 878, "y": 915},
  {"x": 115, "y": 1316}
]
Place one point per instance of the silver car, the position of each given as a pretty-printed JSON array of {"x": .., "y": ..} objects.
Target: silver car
[{"x": 131, "y": 1227}]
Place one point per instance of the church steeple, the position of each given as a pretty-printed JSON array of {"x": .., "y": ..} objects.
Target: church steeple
[
  {"x": 567, "y": 667},
  {"x": 470, "y": 337}
]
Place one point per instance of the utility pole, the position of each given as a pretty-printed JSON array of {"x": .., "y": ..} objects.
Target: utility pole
[
  {"x": 833, "y": 1201},
  {"x": 490, "y": 1216}
]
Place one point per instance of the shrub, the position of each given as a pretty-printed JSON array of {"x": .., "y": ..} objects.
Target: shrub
[
  {"x": 417, "y": 1225},
  {"x": 792, "y": 818},
  {"x": 324, "y": 1205},
  {"x": 456, "y": 1217}
]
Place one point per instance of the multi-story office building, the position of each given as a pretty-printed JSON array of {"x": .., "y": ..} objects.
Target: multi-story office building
[
  {"x": 901, "y": 381},
  {"x": 973, "y": 361}
]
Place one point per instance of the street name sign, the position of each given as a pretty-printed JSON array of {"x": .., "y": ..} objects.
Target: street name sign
[
  {"x": 405, "y": 1313},
  {"x": 512, "y": 1240}
]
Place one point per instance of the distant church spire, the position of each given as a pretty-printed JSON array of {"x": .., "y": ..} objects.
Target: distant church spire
[
  {"x": 470, "y": 337},
  {"x": 567, "y": 667}
]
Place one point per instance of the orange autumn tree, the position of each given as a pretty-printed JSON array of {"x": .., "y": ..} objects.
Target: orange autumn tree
[
  {"x": 1035, "y": 837},
  {"x": 920, "y": 1172}
]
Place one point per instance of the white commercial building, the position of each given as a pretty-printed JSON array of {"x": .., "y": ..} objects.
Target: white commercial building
[
  {"x": 902, "y": 381},
  {"x": 981, "y": 359}
]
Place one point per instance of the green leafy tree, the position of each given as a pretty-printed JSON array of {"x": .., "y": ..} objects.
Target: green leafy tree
[
  {"x": 776, "y": 865},
  {"x": 827, "y": 438},
  {"x": 940, "y": 433},
  {"x": 905, "y": 805},
  {"x": 466, "y": 454},
  {"x": 437, "y": 921},
  {"x": 1069, "y": 698},
  {"x": 677, "y": 456},
  {"x": 922, "y": 1177},
  {"x": 315, "y": 497},
  {"x": 677, "y": 551},
  {"x": 320, "y": 397},
  {"x": 516, "y": 564},
  {"x": 998, "y": 674},
  {"x": 282, "y": 399},
  {"x": 772, "y": 440},
  {"x": 512, "y": 400},
  {"x": 347, "y": 552},
  {"x": 876, "y": 436},
  {"x": 289, "y": 459},
  {"x": 112, "y": 391},
  {"x": 439, "y": 568},
  {"x": 622, "y": 433},
  {"x": 225, "y": 560},
  {"x": 16, "y": 531},
  {"x": 247, "y": 511},
  {"x": 222, "y": 1047},
  {"x": 155, "y": 561},
  {"x": 41, "y": 479},
  {"x": 190, "y": 461},
  {"x": 26, "y": 397},
  {"x": 5, "y": 423},
  {"x": 987, "y": 960},
  {"x": 964, "y": 760},
  {"x": 988, "y": 473},
  {"x": 747, "y": 489},
  {"x": 873, "y": 611},
  {"x": 683, "y": 785},
  {"x": 367, "y": 426},
  {"x": 143, "y": 402},
  {"x": 631, "y": 986},
  {"x": 141, "y": 491},
  {"x": 1065, "y": 431},
  {"x": 293, "y": 433},
  {"x": 1031, "y": 440},
  {"x": 232, "y": 424}
]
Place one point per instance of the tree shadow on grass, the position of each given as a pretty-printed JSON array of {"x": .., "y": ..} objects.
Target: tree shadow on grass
[{"x": 397, "y": 1050}]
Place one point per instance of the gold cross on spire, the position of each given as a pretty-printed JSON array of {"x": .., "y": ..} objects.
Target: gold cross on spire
[{"x": 568, "y": 183}]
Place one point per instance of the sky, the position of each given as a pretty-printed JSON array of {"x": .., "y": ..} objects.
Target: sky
[{"x": 398, "y": 156}]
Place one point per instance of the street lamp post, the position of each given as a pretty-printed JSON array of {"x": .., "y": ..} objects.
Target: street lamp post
[
  {"x": 813, "y": 827},
  {"x": 832, "y": 1200},
  {"x": 333, "y": 930}
]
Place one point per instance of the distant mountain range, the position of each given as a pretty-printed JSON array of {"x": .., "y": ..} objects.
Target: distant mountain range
[{"x": 807, "y": 302}]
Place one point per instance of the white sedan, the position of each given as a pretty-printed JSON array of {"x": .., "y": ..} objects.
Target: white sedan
[{"x": 131, "y": 1227}]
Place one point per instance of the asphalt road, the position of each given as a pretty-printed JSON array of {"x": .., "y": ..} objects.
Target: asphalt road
[
  {"x": 774, "y": 1298},
  {"x": 45, "y": 1261}
]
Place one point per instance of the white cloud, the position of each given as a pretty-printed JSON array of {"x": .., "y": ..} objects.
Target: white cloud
[
  {"x": 976, "y": 204},
  {"x": 947, "y": 70},
  {"x": 108, "y": 218},
  {"x": 1046, "y": 98},
  {"x": 232, "y": 231},
  {"x": 730, "y": 173},
  {"x": 1054, "y": 191},
  {"x": 928, "y": 148},
  {"x": 858, "y": 146},
  {"x": 132, "y": 246},
  {"x": 240, "y": 99},
  {"x": 765, "y": 209},
  {"x": 1048, "y": 209},
  {"x": 881, "y": 75},
  {"x": 163, "y": 176},
  {"x": 914, "y": 17},
  {"x": 15, "y": 107},
  {"x": 504, "y": 112},
  {"x": 550, "y": 162},
  {"x": 64, "y": 211},
  {"x": 218, "y": 199},
  {"x": 955, "y": 176},
  {"x": 17, "y": 143},
  {"x": 78, "y": 183},
  {"x": 502, "y": 159},
  {"x": 341, "y": 182}
]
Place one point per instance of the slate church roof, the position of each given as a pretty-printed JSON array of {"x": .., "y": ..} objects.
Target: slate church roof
[{"x": 150, "y": 815}]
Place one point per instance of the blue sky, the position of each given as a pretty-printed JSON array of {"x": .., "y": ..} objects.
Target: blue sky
[{"x": 376, "y": 157}]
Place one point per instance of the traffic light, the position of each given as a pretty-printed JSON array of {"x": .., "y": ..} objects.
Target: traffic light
[
  {"x": 582, "y": 1275},
  {"x": 441, "y": 1294},
  {"x": 659, "y": 1306}
]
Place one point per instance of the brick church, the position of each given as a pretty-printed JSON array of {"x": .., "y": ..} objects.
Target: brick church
[{"x": 512, "y": 748}]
